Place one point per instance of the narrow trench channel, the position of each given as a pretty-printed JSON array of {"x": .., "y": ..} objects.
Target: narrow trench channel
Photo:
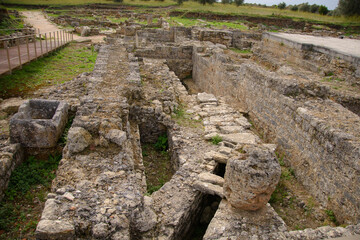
[{"x": 156, "y": 155}]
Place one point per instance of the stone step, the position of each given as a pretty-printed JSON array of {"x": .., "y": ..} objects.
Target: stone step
[
  {"x": 211, "y": 178},
  {"x": 209, "y": 188}
]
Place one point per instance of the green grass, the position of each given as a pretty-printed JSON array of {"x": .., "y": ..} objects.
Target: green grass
[
  {"x": 11, "y": 23},
  {"x": 20, "y": 209},
  {"x": 59, "y": 67},
  {"x": 185, "y": 119},
  {"x": 241, "y": 51},
  {"x": 216, "y": 140}
]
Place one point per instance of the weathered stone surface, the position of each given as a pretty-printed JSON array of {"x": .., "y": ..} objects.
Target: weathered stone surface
[
  {"x": 231, "y": 223},
  {"x": 249, "y": 183},
  {"x": 211, "y": 178},
  {"x": 55, "y": 230},
  {"x": 85, "y": 31},
  {"x": 116, "y": 136},
  {"x": 11, "y": 105},
  {"x": 39, "y": 123},
  {"x": 209, "y": 188},
  {"x": 78, "y": 140},
  {"x": 206, "y": 98},
  {"x": 240, "y": 138}
]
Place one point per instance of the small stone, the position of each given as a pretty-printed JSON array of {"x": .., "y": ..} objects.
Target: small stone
[
  {"x": 206, "y": 98},
  {"x": 78, "y": 140},
  {"x": 69, "y": 196}
]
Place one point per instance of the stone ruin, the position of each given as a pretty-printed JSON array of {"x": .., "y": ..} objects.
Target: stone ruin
[{"x": 134, "y": 94}]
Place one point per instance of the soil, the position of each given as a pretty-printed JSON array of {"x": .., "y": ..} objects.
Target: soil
[{"x": 158, "y": 167}]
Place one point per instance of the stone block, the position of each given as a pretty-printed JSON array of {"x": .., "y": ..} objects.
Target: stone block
[
  {"x": 39, "y": 123},
  {"x": 249, "y": 183}
]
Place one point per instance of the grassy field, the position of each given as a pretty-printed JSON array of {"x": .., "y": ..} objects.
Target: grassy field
[
  {"x": 215, "y": 8},
  {"x": 61, "y": 66}
]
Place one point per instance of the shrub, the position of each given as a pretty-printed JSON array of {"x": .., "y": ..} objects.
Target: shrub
[
  {"x": 349, "y": 7},
  {"x": 216, "y": 140},
  {"x": 239, "y": 2},
  {"x": 314, "y": 8},
  {"x": 305, "y": 7},
  {"x": 118, "y": 1},
  {"x": 282, "y": 5},
  {"x": 323, "y": 10},
  {"x": 294, "y": 8}
]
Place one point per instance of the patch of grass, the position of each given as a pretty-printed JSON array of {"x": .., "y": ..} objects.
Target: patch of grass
[
  {"x": 185, "y": 119},
  {"x": 216, "y": 139},
  {"x": 241, "y": 51},
  {"x": 63, "y": 139},
  {"x": 11, "y": 23},
  {"x": 234, "y": 25},
  {"x": 162, "y": 143},
  {"x": 157, "y": 165},
  {"x": 187, "y": 22},
  {"x": 331, "y": 216},
  {"x": 59, "y": 67},
  {"x": 20, "y": 209}
]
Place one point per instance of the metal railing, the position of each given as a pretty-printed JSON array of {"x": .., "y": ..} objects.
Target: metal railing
[{"x": 29, "y": 47}]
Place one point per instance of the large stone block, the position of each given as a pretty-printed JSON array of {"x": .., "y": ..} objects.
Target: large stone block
[
  {"x": 39, "y": 123},
  {"x": 249, "y": 183}
]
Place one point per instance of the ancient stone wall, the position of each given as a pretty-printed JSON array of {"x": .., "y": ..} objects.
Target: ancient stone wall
[
  {"x": 178, "y": 58},
  {"x": 314, "y": 58},
  {"x": 320, "y": 137},
  {"x": 156, "y": 35}
]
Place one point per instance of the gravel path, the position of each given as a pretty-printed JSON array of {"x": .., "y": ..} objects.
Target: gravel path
[{"x": 39, "y": 21}]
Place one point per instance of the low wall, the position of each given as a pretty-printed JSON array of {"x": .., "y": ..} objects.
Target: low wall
[{"x": 319, "y": 137}]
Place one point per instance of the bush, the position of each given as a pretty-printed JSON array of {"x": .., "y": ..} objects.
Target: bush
[
  {"x": 282, "y": 5},
  {"x": 294, "y": 8},
  {"x": 349, "y": 7},
  {"x": 314, "y": 8},
  {"x": 305, "y": 7},
  {"x": 118, "y": 1},
  {"x": 239, "y": 2},
  {"x": 323, "y": 10}
]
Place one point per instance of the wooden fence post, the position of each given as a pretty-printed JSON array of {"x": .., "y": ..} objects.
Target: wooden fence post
[
  {"x": 27, "y": 46},
  {"x": 58, "y": 38},
  {"x": 19, "y": 54},
  {"x": 50, "y": 41},
  {"x": 41, "y": 44},
  {"x": 8, "y": 55},
  {"x": 34, "y": 38}
]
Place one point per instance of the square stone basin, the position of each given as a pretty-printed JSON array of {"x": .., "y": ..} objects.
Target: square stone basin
[{"x": 39, "y": 123}]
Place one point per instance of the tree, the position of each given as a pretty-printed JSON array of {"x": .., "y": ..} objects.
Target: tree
[
  {"x": 225, "y": 1},
  {"x": 282, "y": 5},
  {"x": 323, "y": 10},
  {"x": 305, "y": 7},
  {"x": 294, "y": 8},
  {"x": 314, "y": 8},
  {"x": 203, "y": 2},
  {"x": 239, "y": 2},
  {"x": 349, "y": 7}
]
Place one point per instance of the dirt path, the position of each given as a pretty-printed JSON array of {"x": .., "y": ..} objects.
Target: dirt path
[{"x": 39, "y": 21}]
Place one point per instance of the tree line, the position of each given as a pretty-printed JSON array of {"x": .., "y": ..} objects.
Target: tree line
[{"x": 345, "y": 8}]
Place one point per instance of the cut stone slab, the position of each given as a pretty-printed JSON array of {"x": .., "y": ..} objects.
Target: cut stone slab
[
  {"x": 209, "y": 188},
  {"x": 231, "y": 129},
  {"x": 55, "y": 230},
  {"x": 39, "y": 123},
  {"x": 240, "y": 138},
  {"x": 211, "y": 178},
  {"x": 206, "y": 98},
  {"x": 219, "y": 157}
]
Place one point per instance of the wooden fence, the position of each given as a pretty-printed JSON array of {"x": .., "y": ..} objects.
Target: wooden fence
[{"x": 29, "y": 47}]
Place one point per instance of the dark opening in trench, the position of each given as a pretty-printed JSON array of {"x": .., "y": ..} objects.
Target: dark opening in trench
[
  {"x": 220, "y": 169},
  {"x": 209, "y": 206},
  {"x": 156, "y": 155}
]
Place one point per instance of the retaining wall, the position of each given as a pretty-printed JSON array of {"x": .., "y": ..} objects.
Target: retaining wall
[{"x": 320, "y": 137}]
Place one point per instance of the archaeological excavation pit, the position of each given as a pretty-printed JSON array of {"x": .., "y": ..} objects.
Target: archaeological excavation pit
[{"x": 147, "y": 168}]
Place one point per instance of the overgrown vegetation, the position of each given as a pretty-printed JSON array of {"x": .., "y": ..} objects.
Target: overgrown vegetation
[
  {"x": 157, "y": 164},
  {"x": 59, "y": 67},
  {"x": 21, "y": 207},
  {"x": 8, "y": 22}
]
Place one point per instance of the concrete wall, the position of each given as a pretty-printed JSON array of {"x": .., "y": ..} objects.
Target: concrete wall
[{"x": 319, "y": 137}]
